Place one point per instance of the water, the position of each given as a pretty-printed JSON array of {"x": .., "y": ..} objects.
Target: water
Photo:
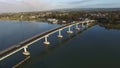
[
  {"x": 96, "y": 47},
  {"x": 13, "y": 32}
]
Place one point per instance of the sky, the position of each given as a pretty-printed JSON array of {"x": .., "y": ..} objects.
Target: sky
[{"x": 40, "y": 5}]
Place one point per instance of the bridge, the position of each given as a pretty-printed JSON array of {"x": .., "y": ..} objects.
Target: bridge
[{"x": 24, "y": 45}]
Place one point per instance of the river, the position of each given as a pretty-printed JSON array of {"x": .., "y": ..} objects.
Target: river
[{"x": 93, "y": 47}]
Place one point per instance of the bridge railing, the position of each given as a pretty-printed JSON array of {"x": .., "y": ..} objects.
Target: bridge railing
[
  {"x": 15, "y": 48},
  {"x": 41, "y": 35}
]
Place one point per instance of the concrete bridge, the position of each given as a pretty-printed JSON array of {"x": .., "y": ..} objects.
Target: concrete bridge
[{"x": 24, "y": 45}]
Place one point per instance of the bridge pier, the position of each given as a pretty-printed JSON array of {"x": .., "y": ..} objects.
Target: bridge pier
[
  {"x": 82, "y": 25},
  {"x": 46, "y": 40},
  {"x": 87, "y": 23},
  {"x": 76, "y": 27},
  {"x": 60, "y": 35},
  {"x": 69, "y": 31},
  {"x": 24, "y": 45},
  {"x": 25, "y": 51}
]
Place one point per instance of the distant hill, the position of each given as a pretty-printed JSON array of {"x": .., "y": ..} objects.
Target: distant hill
[{"x": 89, "y": 9}]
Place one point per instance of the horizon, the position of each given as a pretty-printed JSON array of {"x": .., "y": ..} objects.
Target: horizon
[
  {"x": 66, "y": 9},
  {"x": 8, "y": 6}
]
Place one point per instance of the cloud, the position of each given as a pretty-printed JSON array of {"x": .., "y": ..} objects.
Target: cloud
[
  {"x": 94, "y": 4},
  {"x": 39, "y": 5},
  {"x": 79, "y": 2},
  {"x": 24, "y": 5},
  {"x": 74, "y": 4},
  {"x": 104, "y": 5}
]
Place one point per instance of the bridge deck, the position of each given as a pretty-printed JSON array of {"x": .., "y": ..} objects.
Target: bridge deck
[
  {"x": 26, "y": 42},
  {"x": 41, "y": 35}
]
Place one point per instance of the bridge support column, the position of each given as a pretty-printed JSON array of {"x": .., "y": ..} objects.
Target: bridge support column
[
  {"x": 82, "y": 25},
  {"x": 69, "y": 31},
  {"x": 25, "y": 51},
  {"x": 46, "y": 40},
  {"x": 76, "y": 27},
  {"x": 60, "y": 36},
  {"x": 87, "y": 23}
]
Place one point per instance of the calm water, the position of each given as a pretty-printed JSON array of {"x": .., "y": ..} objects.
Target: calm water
[
  {"x": 13, "y": 32},
  {"x": 95, "y": 47}
]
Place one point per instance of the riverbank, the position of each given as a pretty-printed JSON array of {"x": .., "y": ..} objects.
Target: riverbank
[
  {"x": 110, "y": 25},
  {"x": 104, "y": 16}
]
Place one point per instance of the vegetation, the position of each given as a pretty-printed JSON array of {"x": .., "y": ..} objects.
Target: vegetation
[
  {"x": 110, "y": 26},
  {"x": 100, "y": 16}
]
